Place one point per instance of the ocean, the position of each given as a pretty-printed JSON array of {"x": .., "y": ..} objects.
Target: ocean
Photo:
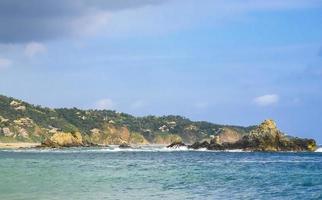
[{"x": 157, "y": 173}]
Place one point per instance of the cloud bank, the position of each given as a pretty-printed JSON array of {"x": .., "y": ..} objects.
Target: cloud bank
[{"x": 39, "y": 20}]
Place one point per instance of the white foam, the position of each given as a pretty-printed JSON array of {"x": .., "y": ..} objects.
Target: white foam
[
  {"x": 115, "y": 148},
  {"x": 237, "y": 150},
  {"x": 102, "y": 149}
]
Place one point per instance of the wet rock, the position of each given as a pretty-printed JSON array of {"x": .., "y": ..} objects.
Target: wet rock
[
  {"x": 199, "y": 145},
  {"x": 124, "y": 146},
  {"x": 176, "y": 145}
]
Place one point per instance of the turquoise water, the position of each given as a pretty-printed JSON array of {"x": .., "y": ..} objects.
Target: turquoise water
[{"x": 158, "y": 174}]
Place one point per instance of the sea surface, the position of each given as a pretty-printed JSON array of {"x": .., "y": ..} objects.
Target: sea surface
[{"x": 158, "y": 173}]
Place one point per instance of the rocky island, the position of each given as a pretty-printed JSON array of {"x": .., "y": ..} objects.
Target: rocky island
[{"x": 21, "y": 122}]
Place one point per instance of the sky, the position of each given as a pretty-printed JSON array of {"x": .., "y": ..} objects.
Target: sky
[{"x": 228, "y": 62}]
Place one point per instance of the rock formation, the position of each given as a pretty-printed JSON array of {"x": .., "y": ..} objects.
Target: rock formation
[
  {"x": 62, "y": 139},
  {"x": 176, "y": 145},
  {"x": 228, "y": 135},
  {"x": 265, "y": 137},
  {"x": 125, "y": 146}
]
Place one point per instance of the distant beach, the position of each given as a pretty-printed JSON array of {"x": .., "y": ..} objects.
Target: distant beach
[{"x": 18, "y": 145}]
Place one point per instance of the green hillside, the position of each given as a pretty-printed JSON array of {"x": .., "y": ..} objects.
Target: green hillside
[{"x": 21, "y": 121}]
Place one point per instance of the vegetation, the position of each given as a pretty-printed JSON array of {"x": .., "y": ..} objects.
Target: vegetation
[{"x": 21, "y": 121}]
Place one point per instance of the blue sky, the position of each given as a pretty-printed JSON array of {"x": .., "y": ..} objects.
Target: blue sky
[{"x": 230, "y": 62}]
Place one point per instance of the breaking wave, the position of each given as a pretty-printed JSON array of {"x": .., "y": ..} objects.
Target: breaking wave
[
  {"x": 102, "y": 149},
  {"x": 114, "y": 148}
]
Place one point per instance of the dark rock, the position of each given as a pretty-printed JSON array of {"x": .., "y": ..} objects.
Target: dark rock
[
  {"x": 199, "y": 145},
  {"x": 90, "y": 144},
  {"x": 124, "y": 146},
  {"x": 176, "y": 145},
  {"x": 49, "y": 144}
]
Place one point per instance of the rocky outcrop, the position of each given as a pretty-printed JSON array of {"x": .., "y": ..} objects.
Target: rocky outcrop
[
  {"x": 228, "y": 135},
  {"x": 112, "y": 134},
  {"x": 7, "y": 132},
  {"x": 17, "y": 106},
  {"x": 265, "y": 137},
  {"x": 176, "y": 145},
  {"x": 125, "y": 146},
  {"x": 165, "y": 138},
  {"x": 199, "y": 145},
  {"x": 62, "y": 139}
]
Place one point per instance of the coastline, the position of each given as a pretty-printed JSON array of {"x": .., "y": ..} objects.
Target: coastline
[
  {"x": 17, "y": 145},
  {"x": 116, "y": 148}
]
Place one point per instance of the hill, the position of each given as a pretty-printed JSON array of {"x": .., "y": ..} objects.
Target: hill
[{"x": 24, "y": 122}]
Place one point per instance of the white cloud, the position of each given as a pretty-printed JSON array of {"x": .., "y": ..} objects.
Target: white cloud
[
  {"x": 104, "y": 104},
  {"x": 4, "y": 63},
  {"x": 267, "y": 100},
  {"x": 34, "y": 48}
]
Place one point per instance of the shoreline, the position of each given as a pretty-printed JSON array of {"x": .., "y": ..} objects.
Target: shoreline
[
  {"x": 23, "y": 145},
  {"x": 153, "y": 147},
  {"x": 17, "y": 145}
]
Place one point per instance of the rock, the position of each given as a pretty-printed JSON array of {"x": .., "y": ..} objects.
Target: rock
[
  {"x": 62, "y": 139},
  {"x": 124, "y": 146},
  {"x": 25, "y": 122},
  {"x": 6, "y": 132},
  {"x": 20, "y": 108},
  {"x": 15, "y": 103},
  {"x": 90, "y": 144},
  {"x": 165, "y": 138},
  {"x": 95, "y": 131},
  {"x": 176, "y": 145},
  {"x": 266, "y": 137},
  {"x": 23, "y": 132},
  {"x": 17, "y": 106},
  {"x": 267, "y": 125},
  {"x": 53, "y": 130},
  {"x": 228, "y": 135},
  {"x": 3, "y": 120},
  {"x": 49, "y": 143},
  {"x": 198, "y": 145},
  {"x": 138, "y": 139}
]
